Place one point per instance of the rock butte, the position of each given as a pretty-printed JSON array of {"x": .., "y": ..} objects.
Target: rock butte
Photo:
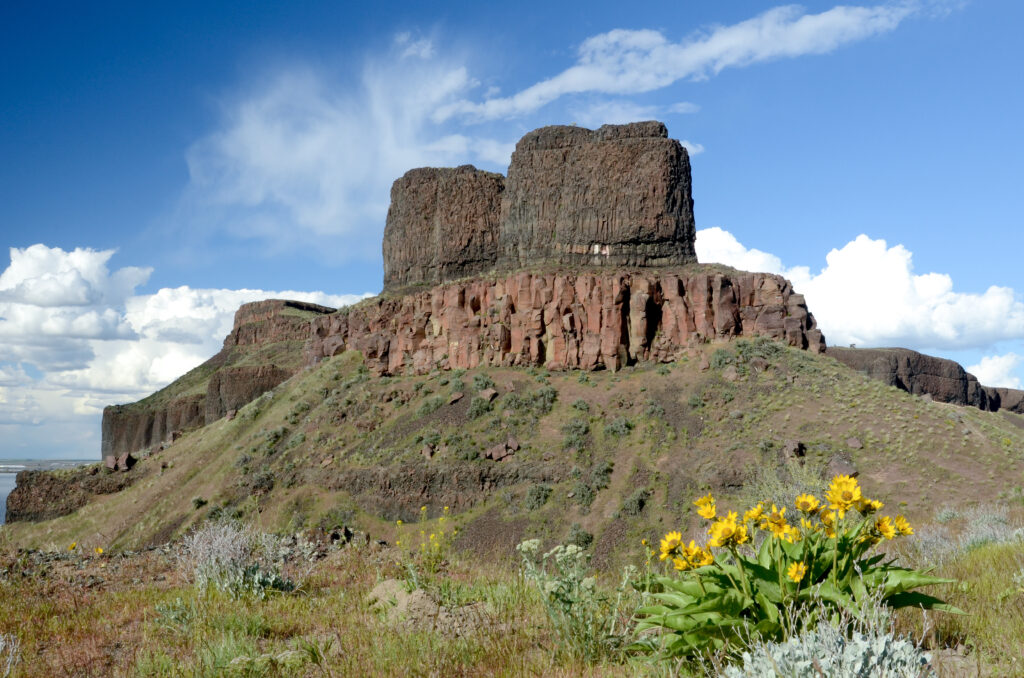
[{"x": 583, "y": 257}]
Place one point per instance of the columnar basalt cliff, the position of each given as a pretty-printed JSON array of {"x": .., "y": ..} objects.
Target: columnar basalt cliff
[
  {"x": 618, "y": 196},
  {"x": 942, "y": 379},
  {"x": 442, "y": 224},
  {"x": 247, "y": 366},
  {"x": 588, "y": 320}
]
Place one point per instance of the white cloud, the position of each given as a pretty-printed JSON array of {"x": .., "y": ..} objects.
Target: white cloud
[
  {"x": 300, "y": 155},
  {"x": 95, "y": 341},
  {"x": 868, "y": 294},
  {"x": 636, "y": 61},
  {"x": 998, "y": 370}
]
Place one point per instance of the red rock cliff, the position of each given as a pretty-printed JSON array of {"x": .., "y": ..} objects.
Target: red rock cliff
[
  {"x": 587, "y": 320},
  {"x": 220, "y": 384}
]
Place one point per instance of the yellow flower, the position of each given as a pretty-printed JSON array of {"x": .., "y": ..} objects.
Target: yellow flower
[
  {"x": 704, "y": 558},
  {"x": 423, "y": 509},
  {"x": 726, "y": 532},
  {"x": 643, "y": 542},
  {"x": 754, "y": 513},
  {"x": 706, "y": 507},
  {"x": 432, "y": 537},
  {"x": 868, "y": 506},
  {"x": 885, "y": 527},
  {"x": 807, "y": 525},
  {"x": 73, "y": 546},
  {"x": 775, "y": 522},
  {"x": 902, "y": 526},
  {"x": 670, "y": 544},
  {"x": 790, "y": 534},
  {"x": 828, "y": 519},
  {"x": 796, "y": 571},
  {"x": 843, "y": 493},
  {"x": 398, "y": 522},
  {"x": 98, "y": 550},
  {"x": 807, "y": 503},
  {"x": 681, "y": 564}
]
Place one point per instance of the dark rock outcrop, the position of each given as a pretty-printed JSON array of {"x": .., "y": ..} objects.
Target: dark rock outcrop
[
  {"x": 588, "y": 320},
  {"x": 944, "y": 380},
  {"x": 442, "y": 224},
  {"x": 618, "y": 196},
  {"x": 219, "y": 385},
  {"x": 42, "y": 495}
]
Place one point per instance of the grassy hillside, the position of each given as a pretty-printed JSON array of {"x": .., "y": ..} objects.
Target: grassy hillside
[{"x": 618, "y": 456}]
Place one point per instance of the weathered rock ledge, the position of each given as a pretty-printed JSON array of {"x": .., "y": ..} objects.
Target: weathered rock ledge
[
  {"x": 225, "y": 382},
  {"x": 944, "y": 380},
  {"x": 588, "y": 320}
]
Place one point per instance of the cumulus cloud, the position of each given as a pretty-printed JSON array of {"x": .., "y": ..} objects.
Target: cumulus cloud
[
  {"x": 636, "y": 61},
  {"x": 998, "y": 370},
  {"x": 869, "y": 295},
  {"x": 91, "y": 340}
]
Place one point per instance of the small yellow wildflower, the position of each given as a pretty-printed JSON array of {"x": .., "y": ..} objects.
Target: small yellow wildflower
[
  {"x": 706, "y": 507},
  {"x": 885, "y": 527},
  {"x": 754, "y": 513},
  {"x": 398, "y": 522},
  {"x": 790, "y": 534},
  {"x": 681, "y": 564},
  {"x": 705, "y": 557},
  {"x": 828, "y": 520},
  {"x": 808, "y": 503},
  {"x": 643, "y": 542},
  {"x": 868, "y": 506},
  {"x": 902, "y": 526},
  {"x": 98, "y": 550},
  {"x": 433, "y": 537},
  {"x": 775, "y": 522},
  {"x": 73, "y": 546},
  {"x": 843, "y": 493},
  {"x": 423, "y": 509},
  {"x": 726, "y": 532},
  {"x": 807, "y": 525},
  {"x": 796, "y": 571},
  {"x": 670, "y": 544}
]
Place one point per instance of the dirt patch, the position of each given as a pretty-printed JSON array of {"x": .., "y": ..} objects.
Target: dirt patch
[
  {"x": 492, "y": 535},
  {"x": 417, "y": 611}
]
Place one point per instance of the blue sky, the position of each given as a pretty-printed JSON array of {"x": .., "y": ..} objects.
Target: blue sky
[{"x": 161, "y": 163}]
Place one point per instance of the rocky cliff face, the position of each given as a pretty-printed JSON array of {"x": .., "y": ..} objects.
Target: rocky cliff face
[
  {"x": 588, "y": 320},
  {"x": 247, "y": 366},
  {"x": 944, "y": 380},
  {"x": 618, "y": 196},
  {"x": 442, "y": 224}
]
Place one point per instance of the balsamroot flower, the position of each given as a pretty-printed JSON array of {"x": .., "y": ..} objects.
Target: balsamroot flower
[
  {"x": 843, "y": 494},
  {"x": 884, "y": 527},
  {"x": 868, "y": 506},
  {"x": 754, "y": 513},
  {"x": 902, "y": 526},
  {"x": 726, "y": 532},
  {"x": 706, "y": 507},
  {"x": 670, "y": 545},
  {"x": 808, "y": 504},
  {"x": 796, "y": 571}
]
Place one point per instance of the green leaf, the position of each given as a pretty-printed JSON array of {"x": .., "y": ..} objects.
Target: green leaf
[{"x": 922, "y": 600}]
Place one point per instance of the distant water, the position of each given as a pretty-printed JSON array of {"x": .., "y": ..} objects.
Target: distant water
[{"x": 6, "y": 485}]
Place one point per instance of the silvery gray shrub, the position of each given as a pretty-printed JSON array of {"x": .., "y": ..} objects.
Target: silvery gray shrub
[{"x": 826, "y": 651}]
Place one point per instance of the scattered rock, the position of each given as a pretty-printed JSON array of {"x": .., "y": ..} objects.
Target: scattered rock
[
  {"x": 704, "y": 364},
  {"x": 840, "y": 465},
  {"x": 793, "y": 449},
  {"x": 854, "y": 443},
  {"x": 456, "y": 397},
  {"x": 488, "y": 394},
  {"x": 231, "y": 414},
  {"x": 327, "y": 461},
  {"x": 427, "y": 451},
  {"x": 512, "y": 444},
  {"x": 110, "y": 462},
  {"x": 125, "y": 462}
]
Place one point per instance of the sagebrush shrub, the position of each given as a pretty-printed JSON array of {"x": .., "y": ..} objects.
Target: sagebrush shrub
[{"x": 827, "y": 651}]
